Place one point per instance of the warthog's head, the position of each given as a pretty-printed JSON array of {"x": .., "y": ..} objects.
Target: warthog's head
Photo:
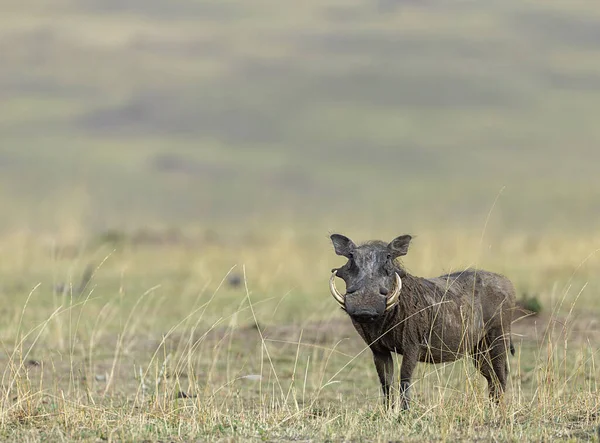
[{"x": 372, "y": 280}]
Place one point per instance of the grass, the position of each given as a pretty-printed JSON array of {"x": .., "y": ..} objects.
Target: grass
[{"x": 273, "y": 358}]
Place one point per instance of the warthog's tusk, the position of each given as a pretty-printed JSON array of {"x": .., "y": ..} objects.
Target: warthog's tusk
[
  {"x": 394, "y": 297},
  {"x": 336, "y": 294}
]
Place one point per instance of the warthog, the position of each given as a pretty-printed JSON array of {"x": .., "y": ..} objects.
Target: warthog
[{"x": 432, "y": 320}]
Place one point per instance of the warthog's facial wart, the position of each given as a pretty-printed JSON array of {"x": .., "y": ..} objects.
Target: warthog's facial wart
[{"x": 373, "y": 283}]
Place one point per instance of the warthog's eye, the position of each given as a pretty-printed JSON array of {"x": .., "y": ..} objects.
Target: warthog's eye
[
  {"x": 350, "y": 255},
  {"x": 389, "y": 256}
]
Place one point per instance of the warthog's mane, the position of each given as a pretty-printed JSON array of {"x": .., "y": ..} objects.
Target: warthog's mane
[{"x": 374, "y": 243}]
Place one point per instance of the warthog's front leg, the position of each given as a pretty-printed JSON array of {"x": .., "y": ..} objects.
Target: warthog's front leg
[
  {"x": 384, "y": 364},
  {"x": 409, "y": 362}
]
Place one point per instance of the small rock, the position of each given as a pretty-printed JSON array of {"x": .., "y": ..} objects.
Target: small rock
[{"x": 234, "y": 280}]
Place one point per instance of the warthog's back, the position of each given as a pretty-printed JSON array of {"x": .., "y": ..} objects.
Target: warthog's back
[{"x": 492, "y": 292}]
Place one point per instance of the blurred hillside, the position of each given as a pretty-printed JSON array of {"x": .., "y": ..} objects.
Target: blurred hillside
[{"x": 123, "y": 112}]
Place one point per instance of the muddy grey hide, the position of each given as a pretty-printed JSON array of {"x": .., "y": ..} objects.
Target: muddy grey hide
[{"x": 431, "y": 320}]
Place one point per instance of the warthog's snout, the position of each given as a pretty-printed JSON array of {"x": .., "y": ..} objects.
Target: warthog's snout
[{"x": 364, "y": 315}]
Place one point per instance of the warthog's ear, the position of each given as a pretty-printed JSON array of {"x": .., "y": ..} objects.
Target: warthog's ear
[
  {"x": 342, "y": 245},
  {"x": 399, "y": 245}
]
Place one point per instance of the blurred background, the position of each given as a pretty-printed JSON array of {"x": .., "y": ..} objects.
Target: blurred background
[{"x": 328, "y": 114}]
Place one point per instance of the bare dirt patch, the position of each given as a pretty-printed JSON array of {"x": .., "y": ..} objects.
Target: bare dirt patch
[{"x": 577, "y": 328}]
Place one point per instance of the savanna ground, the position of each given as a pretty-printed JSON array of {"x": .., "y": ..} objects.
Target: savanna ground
[
  {"x": 191, "y": 338},
  {"x": 186, "y": 161}
]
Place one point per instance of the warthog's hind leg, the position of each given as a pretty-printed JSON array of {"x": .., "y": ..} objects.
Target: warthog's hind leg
[
  {"x": 499, "y": 348},
  {"x": 490, "y": 358}
]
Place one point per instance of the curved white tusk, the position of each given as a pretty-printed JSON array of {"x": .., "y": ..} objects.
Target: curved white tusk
[
  {"x": 394, "y": 297},
  {"x": 336, "y": 294}
]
